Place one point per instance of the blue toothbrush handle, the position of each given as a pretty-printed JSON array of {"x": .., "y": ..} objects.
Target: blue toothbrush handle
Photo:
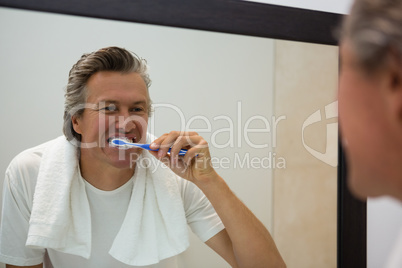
[
  {"x": 119, "y": 142},
  {"x": 146, "y": 146},
  {"x": 182, "y": 152}
]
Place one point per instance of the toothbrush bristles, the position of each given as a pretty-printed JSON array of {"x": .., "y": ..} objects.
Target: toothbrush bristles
[{"x": 120, "y": 143}]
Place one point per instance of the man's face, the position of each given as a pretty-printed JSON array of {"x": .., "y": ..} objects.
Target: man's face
[
  {"x": 117, "y": 106},
  {"x": 366, "y": 128}
]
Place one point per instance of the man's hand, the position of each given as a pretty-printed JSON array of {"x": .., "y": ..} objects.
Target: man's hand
[{"x": 195, "y": 165}]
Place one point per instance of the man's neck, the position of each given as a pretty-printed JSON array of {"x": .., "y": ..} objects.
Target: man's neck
[{"x": 106, "y": 178}]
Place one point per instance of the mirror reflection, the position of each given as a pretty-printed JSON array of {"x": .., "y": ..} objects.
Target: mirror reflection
[{"x": 265, "y": 106}]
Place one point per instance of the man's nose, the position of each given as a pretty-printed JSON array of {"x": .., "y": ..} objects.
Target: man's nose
[{"x": 125, "y": 122}]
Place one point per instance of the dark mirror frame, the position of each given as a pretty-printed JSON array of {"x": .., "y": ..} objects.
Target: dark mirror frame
[{"x": 244, "y": 18}]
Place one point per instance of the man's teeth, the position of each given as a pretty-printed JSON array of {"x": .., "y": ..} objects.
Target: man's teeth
[{"x": 131, "y": 140}]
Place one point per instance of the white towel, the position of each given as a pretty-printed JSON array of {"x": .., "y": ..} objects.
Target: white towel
[{"x": 154, "y": 227}]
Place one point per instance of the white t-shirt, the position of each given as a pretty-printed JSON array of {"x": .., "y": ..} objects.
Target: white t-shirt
[
  {"x": 108, "y": 209},
  {"x": 395, "y": 257}
]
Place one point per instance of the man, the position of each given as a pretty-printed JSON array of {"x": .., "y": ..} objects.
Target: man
[
  {"x": 96, "y": 205},
  {"x": 370, "y": 100}
]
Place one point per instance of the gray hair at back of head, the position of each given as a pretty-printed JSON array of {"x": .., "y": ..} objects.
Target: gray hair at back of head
[
  {"x": 105, "y": 59},
  {"x": 374, "y": 28}
]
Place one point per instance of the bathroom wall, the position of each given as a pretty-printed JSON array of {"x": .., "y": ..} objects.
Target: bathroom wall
[{"x": 305, "y": 192}]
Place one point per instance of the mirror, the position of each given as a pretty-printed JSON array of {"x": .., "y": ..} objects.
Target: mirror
[{"x": 240, "y": 92}]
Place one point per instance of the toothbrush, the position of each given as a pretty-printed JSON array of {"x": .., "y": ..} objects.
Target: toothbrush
[{"x": 124, "y": 144}]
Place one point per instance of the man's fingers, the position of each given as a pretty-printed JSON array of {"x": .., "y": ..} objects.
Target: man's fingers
[
  {"x": 174, "y": 140},
  {"x": 165, "y": 160}
]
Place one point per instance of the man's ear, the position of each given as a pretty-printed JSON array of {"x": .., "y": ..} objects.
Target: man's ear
[
  {"x": 392, "y": 82},
  {"x": 76, "y": 123}
]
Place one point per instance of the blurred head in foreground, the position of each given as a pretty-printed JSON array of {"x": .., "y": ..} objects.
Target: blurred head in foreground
[{"x": 370, "y": 97}]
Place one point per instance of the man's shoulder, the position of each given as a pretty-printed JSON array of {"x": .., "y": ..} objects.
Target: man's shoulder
[{"x": 27, "y": 162}]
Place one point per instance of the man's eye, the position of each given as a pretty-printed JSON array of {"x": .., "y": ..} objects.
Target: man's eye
[
  {"x": 109, "y": 108},
  {"x": 138, "y": 109}
]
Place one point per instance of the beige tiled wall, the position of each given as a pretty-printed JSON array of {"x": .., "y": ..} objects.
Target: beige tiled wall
[{"x": 304, "y": 201}]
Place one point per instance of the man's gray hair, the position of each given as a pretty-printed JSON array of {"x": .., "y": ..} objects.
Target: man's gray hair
[
  {"x": 374, "y": 28},
  {"x": 105, "y": 59}
]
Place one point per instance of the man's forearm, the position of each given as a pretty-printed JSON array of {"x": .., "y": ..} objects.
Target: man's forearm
[{"x": 253, "y": 245}]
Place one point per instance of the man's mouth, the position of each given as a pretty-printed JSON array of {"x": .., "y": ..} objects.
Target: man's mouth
[{"x": 127, "y": 139}]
